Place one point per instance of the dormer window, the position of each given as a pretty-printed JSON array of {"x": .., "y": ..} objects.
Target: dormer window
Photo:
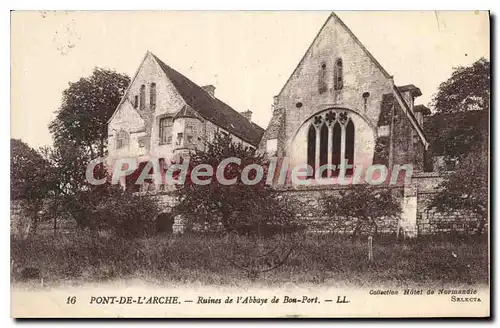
[
  {"x": 338, "y": 78},
  {"x": 136, "y": 101}
]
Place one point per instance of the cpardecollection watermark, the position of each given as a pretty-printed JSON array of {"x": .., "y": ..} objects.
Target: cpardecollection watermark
[{"x": 277, "y": 172}]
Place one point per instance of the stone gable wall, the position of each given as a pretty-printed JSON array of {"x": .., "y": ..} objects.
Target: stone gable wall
[{"x": 360, "y": 75}]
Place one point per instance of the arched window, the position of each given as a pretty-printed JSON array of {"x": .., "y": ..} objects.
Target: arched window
[
  {"x": 152, "y": 95},
  {"x": 142, "y": 97},
  {"x": 338, "y": 79},
  {"x": 349, "y": 146},
  {"x": 336, "y": 140},
  {"x": 323, "y": 149},
  {"x": 311, "y": 147},
  {"x": 136, "y": 101},
  {"x": 336, "y": 146},
  {"x": 322, "y": 87}
]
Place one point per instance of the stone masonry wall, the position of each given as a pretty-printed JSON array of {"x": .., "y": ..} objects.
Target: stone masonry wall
[
  {"x": 301, "y": 98},
  {"x": 308, "y": 203}
]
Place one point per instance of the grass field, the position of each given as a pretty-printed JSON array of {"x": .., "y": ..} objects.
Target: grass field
[{"x": 206, "y": 260}]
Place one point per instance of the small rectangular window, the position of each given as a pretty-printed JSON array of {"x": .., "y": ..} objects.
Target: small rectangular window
[
  {"x": 179, "y": 140},
  {"x": 166, "y": 130},
  {"x": 121, "y": 139}
]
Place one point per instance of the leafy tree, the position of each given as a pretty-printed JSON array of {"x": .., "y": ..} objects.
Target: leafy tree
[
  {"x": 31, "y": 179},
  {"x": 29, "y": 171},
  {"x": 101, "y": 207},
  {"x": 466, "y": 190},
  {"x": 460, "y": 131},
  {"x": 86, "y": 107},
  {"x": 362, "y": 207},
  {"x": 455, "y": 135},
  {"x": 80, "y": 135},
  {"x": 241, "y": 208},
  {"x": 460, "y": 124},
  {"x": 468, "y": 88},
  {"x": 70, "y": 163}
]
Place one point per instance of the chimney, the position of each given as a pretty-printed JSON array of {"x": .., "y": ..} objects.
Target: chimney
[
  {"x": 247, "y": 114},
  {"x": 210, "y": 89}
]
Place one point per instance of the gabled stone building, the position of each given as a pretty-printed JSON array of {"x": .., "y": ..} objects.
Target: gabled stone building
[
  {"x": 163, "y": 114},
  {"x": 340, "y": 103}
]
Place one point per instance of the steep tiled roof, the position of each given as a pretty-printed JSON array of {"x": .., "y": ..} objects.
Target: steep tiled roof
[{"x": 211, "y": 108}]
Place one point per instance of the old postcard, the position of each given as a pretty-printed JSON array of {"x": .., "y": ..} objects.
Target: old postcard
[{"x": 268, "y": 164}]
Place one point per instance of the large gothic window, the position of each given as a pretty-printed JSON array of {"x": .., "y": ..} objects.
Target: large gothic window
[
  {"x": 311, "y": 146},
  {"x": 338, "y": 79},
  {"x": 323, "y": 148},
  {"x": 349, "y": 145},
  {"x": 336, "y": 145},
  {"x": 330, "y": 139}
]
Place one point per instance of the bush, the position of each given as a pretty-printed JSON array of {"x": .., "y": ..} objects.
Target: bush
[
  {"x": 126, "y": 214},
  {"x": 109, "y": 208},
  {"x": 238, "y": 207}
]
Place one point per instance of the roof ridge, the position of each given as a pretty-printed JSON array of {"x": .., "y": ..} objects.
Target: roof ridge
[
  {"x": 194, "y": 83},
  {"x": 305, "y": 53},
  {"x": 219, "y": 113},
  {"x": 368, "y": 53}
]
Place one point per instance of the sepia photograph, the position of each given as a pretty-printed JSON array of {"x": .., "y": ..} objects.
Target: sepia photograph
[{"x": 250, "y": 164}]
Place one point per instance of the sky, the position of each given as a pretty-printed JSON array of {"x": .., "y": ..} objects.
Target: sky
[{"x": 247, "y": 56}]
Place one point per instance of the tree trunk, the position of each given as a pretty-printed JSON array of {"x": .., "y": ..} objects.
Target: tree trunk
[
  {"x": 102, "y": 147},
  {"x": 55, "y": 224},
  {"x": 356, "y": 231},
  {"x": 480, "y": 227}
]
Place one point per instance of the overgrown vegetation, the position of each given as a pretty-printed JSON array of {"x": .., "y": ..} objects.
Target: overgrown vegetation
[
  {"x": 51, "y": 182},
  {"x": 362, "y": 207},
  {"x": 238, "y": 207},
  {"x": 459, "y": 131},
  {"x": 204, "y": 259}
]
